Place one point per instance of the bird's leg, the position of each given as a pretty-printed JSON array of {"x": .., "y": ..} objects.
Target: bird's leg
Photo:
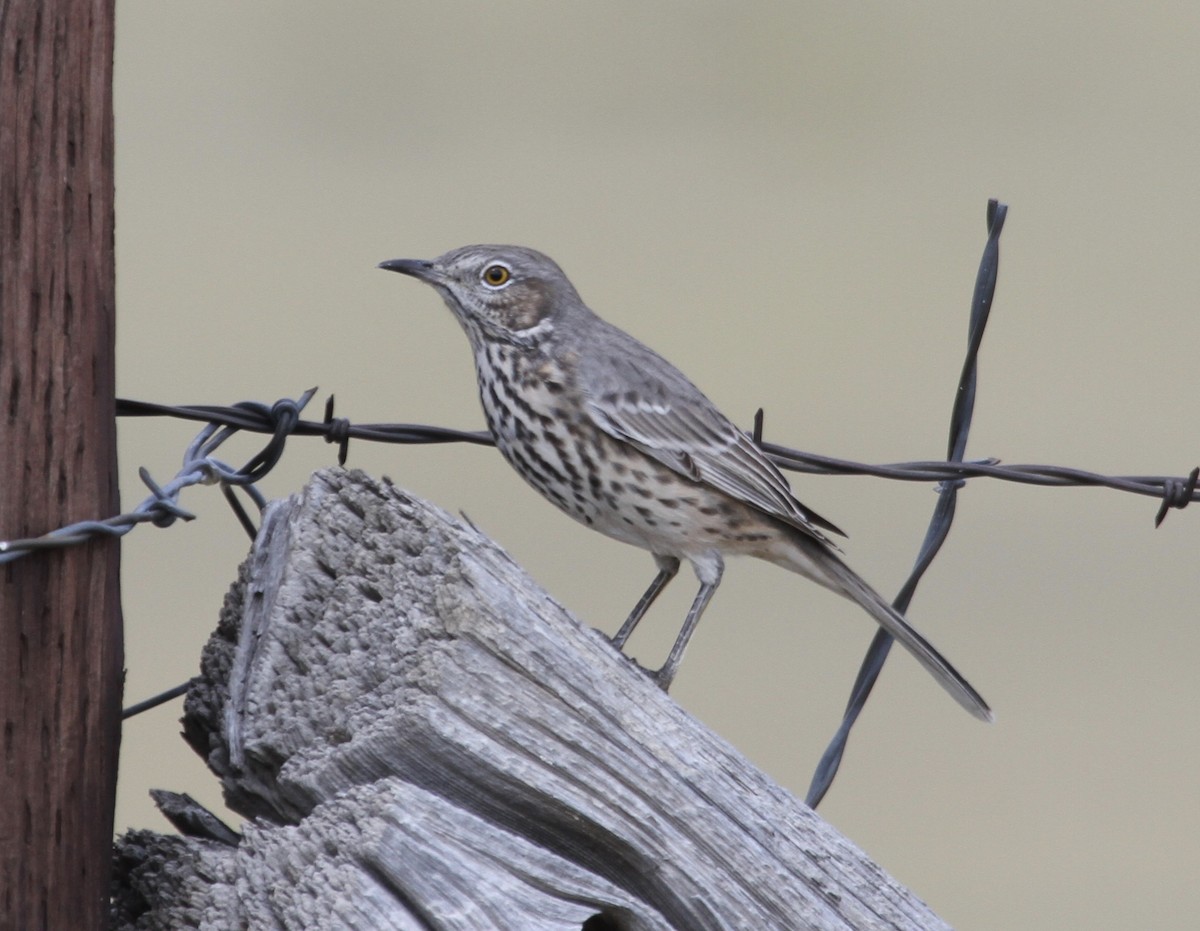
[
  {"x": 710, "y": 578},
  {"x": 667, "y": 567}
]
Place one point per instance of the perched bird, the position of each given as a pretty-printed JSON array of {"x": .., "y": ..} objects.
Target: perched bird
[{"x": 622, "y": 441}]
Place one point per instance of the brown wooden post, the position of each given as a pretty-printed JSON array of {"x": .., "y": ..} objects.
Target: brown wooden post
[{"x": 60, "y": 616}]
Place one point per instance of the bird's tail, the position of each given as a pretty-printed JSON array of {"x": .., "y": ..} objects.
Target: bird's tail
[{"x": 820, "y": 564}]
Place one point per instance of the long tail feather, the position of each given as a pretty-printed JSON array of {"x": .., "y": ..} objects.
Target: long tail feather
[{"x": 823, "y": 566}]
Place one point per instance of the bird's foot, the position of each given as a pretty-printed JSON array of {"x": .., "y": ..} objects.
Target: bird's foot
[{"x": 661, "y": 677}]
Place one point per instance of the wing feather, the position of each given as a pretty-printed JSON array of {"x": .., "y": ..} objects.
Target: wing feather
[{"x": 639, "y": 398}]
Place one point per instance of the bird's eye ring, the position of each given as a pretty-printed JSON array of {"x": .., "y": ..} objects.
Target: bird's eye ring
[{"x": 496, "y": 276}]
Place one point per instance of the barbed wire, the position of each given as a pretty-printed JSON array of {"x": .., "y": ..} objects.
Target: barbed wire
[
  {"x": 282, "y": 420},
  {"x": 200, "y": 467},
  {"x": 1175, "y": 492}
]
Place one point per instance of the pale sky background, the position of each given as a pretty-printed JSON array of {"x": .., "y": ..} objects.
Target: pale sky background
[{"x": 787, "y": 200}]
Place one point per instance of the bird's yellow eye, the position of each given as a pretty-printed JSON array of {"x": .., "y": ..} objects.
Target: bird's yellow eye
[{"x": 496, "y": 275}]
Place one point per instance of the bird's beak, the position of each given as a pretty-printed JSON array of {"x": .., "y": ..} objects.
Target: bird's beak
[{"x": 417, "y": 268}]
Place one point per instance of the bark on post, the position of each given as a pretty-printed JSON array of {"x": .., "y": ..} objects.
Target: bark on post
[
  {"x": 60, "y": 621},
  {"x": 423, "y": 739}
]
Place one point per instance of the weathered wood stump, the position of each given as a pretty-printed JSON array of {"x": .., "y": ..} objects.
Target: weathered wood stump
[{"x": 422, "y": 738}]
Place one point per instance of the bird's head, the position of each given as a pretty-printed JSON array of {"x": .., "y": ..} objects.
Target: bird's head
[{"x": 506, "y": 293}]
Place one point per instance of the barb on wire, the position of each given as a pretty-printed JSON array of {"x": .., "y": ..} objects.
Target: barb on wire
[
  {"x": 200, "y": 467},
  {"x": 1176, "y": 494},
  {"x": 339, "y": 431}
]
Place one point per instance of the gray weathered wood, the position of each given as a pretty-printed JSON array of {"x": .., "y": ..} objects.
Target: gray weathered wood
[{"x": 423, "y": 738}]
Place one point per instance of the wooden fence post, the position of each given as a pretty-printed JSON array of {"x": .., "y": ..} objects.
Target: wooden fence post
[{"x": 60, "y": 615}]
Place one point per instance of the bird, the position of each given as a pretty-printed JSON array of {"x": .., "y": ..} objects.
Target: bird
[{"x": 621, "y": 440}]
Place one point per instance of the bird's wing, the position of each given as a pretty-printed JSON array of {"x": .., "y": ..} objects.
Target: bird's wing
[{"x": 638, "y": 397}]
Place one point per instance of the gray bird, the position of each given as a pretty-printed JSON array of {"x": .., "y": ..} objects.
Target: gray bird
[{"x": 621, "y": 440}]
